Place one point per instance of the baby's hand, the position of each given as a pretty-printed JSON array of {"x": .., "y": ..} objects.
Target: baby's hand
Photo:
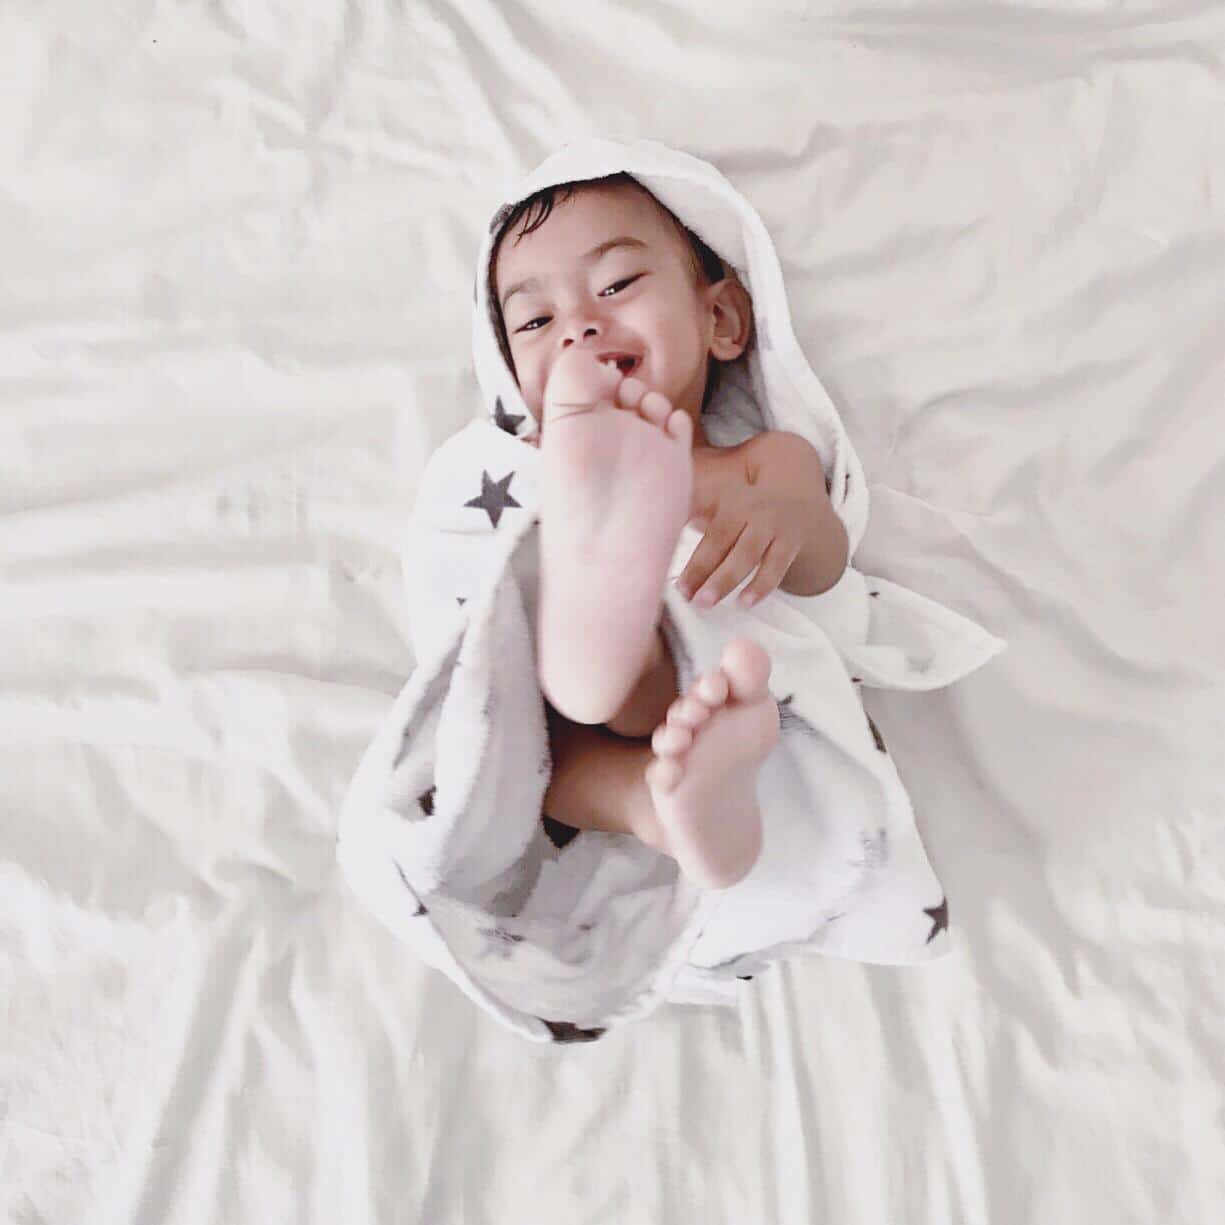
[{"x": 748, "y": 527}]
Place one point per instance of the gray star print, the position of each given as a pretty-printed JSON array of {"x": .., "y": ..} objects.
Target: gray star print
[
  {"x": 499, "y": 942},
  {"x": 789, "y": 720},
  {"x": 495, "y": 497},
  {"x": 503, "y": 420},
  {"x": 939, "y": 916},
  {"x": 875, "y": 850}
]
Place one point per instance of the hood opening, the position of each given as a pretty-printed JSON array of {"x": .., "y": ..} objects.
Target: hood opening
[{"x": 707, "y": 265}]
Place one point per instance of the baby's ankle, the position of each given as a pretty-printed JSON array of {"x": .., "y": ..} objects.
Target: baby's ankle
[
  {"x": 643, "y": 821},
  {"x": 653, "y": 693}
]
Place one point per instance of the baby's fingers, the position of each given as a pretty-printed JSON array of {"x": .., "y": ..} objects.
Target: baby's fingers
[
  {"x": 743, "y": 559},
  {"x": 773, "y": 569},
  {"x": 708, "y": 556}
]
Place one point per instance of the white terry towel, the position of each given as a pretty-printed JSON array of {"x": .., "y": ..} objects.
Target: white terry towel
[{"x": 561, "y": 934}]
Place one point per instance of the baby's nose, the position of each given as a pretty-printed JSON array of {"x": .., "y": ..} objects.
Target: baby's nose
[{"x": 580, "y": 332}]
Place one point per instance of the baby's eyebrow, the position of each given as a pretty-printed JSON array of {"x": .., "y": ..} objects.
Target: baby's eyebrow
[{"x": 622, "y": 240}]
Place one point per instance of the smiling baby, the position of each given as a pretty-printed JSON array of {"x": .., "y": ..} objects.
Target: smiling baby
[{"x": 614, "y": 319}]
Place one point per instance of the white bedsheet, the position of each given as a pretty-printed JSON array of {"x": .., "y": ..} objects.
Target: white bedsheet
[{"x": 237, "y": 246}]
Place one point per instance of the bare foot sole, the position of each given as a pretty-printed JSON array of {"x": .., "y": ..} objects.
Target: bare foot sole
[
  {"x": 703, "y": 781},
  {"x": 616, "y": 480}
]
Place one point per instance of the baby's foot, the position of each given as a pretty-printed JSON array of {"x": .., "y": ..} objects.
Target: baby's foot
[
  {"x": 616, "y": 478},
  {"x": 703, "y": 781}
]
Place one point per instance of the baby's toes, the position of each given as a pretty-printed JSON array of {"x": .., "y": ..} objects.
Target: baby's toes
[
  {"x": 630, "y": 392},
  {"x": 652, "y": 406},
  {"x": 656, "y": 408},
  {"x": 747, "y": 668},
  {"x": 688, "y": 712},
  {"x": 670, "y": 740},
  {"x": 712, "y": 688},
  {"x": 664, "y": 773}
]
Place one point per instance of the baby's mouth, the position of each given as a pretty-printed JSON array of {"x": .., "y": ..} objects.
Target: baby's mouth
[{"x": 626, "y": 363}]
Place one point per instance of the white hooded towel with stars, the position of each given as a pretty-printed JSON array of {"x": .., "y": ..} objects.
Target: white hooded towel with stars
[{"x": 563, "y": 934}]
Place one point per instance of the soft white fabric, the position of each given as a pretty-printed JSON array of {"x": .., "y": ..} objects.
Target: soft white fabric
[
  {"x": 237, "y": 247},
  {"x": 442, "y": 833}
]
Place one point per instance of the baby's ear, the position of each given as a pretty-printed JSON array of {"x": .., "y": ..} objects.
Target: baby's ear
[{"x": 733, "y": 311}]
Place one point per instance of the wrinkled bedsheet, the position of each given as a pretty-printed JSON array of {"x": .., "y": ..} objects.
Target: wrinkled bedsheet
[{"x": 237, "y": 244}]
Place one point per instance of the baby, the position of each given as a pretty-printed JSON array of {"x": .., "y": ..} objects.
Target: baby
[{"x": 614, "y": 318}]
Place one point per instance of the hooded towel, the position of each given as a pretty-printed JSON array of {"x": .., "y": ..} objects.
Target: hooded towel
[{"x": 563, "y": 934}]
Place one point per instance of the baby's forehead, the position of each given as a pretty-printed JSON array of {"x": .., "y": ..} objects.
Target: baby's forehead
[
  {"x": 617, "y": 202},
  {"x": 619, "y": 208}
]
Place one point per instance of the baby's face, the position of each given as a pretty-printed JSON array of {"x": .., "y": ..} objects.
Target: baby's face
[{"x": 638, "y": 298}]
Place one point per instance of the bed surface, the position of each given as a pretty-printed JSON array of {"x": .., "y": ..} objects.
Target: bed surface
[{"x": 238, "y": 247}]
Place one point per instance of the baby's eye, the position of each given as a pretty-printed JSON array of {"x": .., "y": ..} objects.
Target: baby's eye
[
  {"x": 542, "y": 319},
  {"x": 627, "y": 281}
]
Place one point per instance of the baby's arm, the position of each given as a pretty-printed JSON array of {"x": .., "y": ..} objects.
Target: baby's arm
[
  {"x": 764, "y": 511},
  {"x": 790, "y": 464}
]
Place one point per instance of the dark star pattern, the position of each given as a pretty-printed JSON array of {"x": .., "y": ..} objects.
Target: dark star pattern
[
  {"x": 939, "y": 916},
  {"x": 420, "y": 907},
  {"x": 426, "y": 800},
  {"x": 499, "y": 941},
  {"x": 503, "y": 420},
  {"x": 463, "y": 599},
  {"x": 846, "y": 486},
  {"x": 495, "y": 496},
  {"x": 566, "y": 1031},
  {"x": 788, "y": 719}
]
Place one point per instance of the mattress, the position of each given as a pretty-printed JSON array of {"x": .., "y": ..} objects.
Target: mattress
[{"x": 238, "y": 245}]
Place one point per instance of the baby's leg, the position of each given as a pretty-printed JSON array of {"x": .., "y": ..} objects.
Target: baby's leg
[
  {"x": 689, "y": 792},
  {"x": 709, "y": 753},
  {"x": 599, "y": 780},
  {"x": 615, "y": 479},
  {"x": 654, "y": 691}
]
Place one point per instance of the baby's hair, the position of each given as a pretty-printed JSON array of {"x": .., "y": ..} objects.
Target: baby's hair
[{"x": 706, "y": 266}]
